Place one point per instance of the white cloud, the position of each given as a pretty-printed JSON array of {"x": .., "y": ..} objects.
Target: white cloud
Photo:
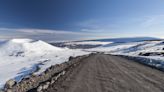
[
  {"x": 44, "y": 34},
  {"x": 151, "y": 26},
  {"x": 45, "y": 31},
  {"x": 38, "y": 31},
  {"x": 93, "y": 29}
]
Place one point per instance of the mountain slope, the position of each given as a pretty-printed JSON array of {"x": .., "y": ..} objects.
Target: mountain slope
[{"x": 21, "y": 57}]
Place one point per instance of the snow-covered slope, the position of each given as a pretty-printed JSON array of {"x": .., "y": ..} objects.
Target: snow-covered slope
[
  {"x": 134, "y": 49},
  {"x": 20, "y": 57},
  {"x": 146, "y": 52},
  {"x": 26, "y": 47},
  {"x": 88, "y": 43}
]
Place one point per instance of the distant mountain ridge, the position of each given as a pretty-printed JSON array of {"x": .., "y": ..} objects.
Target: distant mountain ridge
[{"x": 130, "y": 39}]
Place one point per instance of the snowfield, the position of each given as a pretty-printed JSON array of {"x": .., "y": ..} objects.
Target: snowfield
[
  {"x": 131, "y": 48},
  {"x": 21, "y": 57},
  {"x": 88, "y": 43}
]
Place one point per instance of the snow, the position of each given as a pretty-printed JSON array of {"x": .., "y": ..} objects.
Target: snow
[
  {"x": 130, "y": 48},
  {"x": 21, "y": 57},
  {"x": 133, "y": 49},
  {"x": 88, "y": 43},
  {"x": 114, "y": 47},
  {"x": 21, "y": 40}
]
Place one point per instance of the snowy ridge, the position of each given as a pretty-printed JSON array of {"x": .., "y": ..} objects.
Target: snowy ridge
[
  {"x": 27, "y": 47},
  {"x": 20, "y": 57},
  {"x": 88, "y": 43},
  {"x": 131, "y": 48}
]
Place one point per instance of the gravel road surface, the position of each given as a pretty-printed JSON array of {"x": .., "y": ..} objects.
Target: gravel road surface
[{"x": 107, "y": 73}]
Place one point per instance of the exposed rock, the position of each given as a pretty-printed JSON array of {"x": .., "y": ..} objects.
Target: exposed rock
[
  {"x": 52, "y": 81},
  {"x": 10, "y": 83},
  {"x": 151, "y": 54},
  {"x": 70, "y": 58},
  {"x": 9, "y": 90},
  {"x": 42, "y": 81},
  {"x": 39, "y": 89},
  {"x": 63, "y": 73},
  {"x": 45, "y": 86}
]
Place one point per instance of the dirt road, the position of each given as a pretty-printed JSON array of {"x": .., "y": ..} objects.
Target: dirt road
[{"x": 106, "y": 73}]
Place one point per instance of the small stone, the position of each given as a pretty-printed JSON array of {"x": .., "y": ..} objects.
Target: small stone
[
  {"x": 10, "y": 83},
  {"x": 39, "y": 89},
  {"x": 52, "y": 81},
  {"x": 70, "y": 58},
  {"x": 45, "y": 86},
  {"x": 47, "y": 83},
  {"x": 9, "y": 90},
  {"x": 56, "y": 78},
  {"x": 63, "y": 72},
  {"x": 33, "y": 74}
]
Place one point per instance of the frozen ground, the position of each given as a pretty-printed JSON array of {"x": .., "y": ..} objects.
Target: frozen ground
[{"x": 21, "y": 57}]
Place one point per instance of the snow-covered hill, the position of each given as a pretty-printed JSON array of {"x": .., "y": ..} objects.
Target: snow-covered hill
[
  {"x": 148, "y": 52},
  {"x": 26, "y": 47},
  {"x": 20, "y": 57},
  {"x": 131, "y": 48},
  {"x": 87, "y": 43}
]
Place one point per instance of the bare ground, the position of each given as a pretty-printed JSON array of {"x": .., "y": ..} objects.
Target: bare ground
[{"x": 106, "y": 73}]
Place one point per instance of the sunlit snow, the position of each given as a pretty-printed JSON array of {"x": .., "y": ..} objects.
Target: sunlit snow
[{"x": 20, "y": 57}]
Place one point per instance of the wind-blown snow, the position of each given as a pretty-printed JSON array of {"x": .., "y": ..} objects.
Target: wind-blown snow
[{"x": 20, "y": 57}]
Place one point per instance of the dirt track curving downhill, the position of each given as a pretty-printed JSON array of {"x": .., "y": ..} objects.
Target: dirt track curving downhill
[{"x": 106, "y": 73}]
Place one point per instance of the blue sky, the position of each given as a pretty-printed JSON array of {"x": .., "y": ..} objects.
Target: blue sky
[{"x": 80, "y": 19}]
